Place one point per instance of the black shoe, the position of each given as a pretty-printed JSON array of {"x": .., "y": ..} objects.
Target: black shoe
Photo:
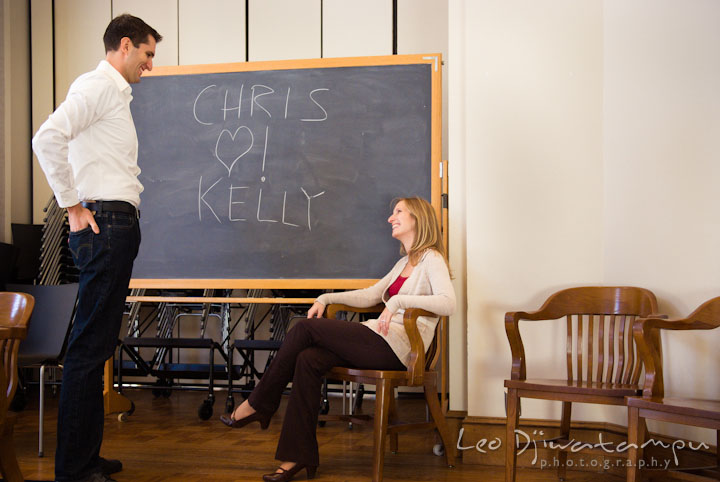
[
  {"x": 263, "y": 418},
  {"x": 110, "y": 466}
]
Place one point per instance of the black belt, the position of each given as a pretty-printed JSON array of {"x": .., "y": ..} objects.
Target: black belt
[{"x": 112, "y": 206}]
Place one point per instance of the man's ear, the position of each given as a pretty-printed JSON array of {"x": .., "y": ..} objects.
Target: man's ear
[{"x": 125, "y": 44}]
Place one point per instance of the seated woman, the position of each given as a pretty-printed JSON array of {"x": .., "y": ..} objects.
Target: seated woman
[{"x": 421, "y": 279}]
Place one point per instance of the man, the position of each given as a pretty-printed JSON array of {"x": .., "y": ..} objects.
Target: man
[{"x": 88, "y": 151}]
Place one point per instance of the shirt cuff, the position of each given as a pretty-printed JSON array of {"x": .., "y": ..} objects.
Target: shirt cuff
[{"x": 67, "y": 198}]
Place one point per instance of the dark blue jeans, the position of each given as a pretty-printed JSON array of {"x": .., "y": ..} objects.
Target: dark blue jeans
[{"x": 105, "y": 262}]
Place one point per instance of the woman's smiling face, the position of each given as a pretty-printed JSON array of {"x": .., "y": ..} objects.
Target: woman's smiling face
[{"x": 403, "y": 223}]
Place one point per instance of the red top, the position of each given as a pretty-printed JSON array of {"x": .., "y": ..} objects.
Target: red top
[{"x": 397, "y": 284}]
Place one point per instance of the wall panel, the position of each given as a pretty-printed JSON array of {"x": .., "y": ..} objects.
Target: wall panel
[
  {"x": 79, "y": 28},
  {"x": 211, "y": 31},
  {"x": 284, "y": 29},
  {"x": 422, "y": 27},
  {"x": 18, "y": 106},
  {"x": 4, "y": 129},
  {"x": 353, "y": 28},
  {"x": 41, "y": 47}
]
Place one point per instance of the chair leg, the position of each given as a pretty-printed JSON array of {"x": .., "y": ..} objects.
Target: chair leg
[
  {"x": 634, "y": 442},
  {"x": 431, "y": 397},
  {"x": 510, "y": 446},
  {"x": 565, "y": 434},
  {"x": 8, "y": 460},
  {"x": 383, "y": 392},
  {"x": 393, "y": 418},
  {"x": 643, "y": 435},
  {"x": 41, "y": 416}
]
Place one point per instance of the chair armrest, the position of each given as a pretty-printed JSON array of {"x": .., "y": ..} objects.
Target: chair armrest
[
  {"x": 416, "y": 365},
  {"x": 646, "y": 332},
  {"x": 512, "y": 330},
  {"x": 416, "y": 362}
]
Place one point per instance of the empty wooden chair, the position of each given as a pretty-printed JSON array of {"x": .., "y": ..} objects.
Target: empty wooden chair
[
  {"x": 420, "y": 373},
  {"x": 15, "y": 310},
  {"x": 654, "y": 405},
  {"x": 600, "y": 357}
]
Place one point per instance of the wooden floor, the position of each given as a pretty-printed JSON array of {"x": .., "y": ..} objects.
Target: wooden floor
[{"x": 165, "y": 440}]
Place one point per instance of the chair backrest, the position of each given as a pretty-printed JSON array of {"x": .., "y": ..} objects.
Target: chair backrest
[
  {"x": 599, "y": 343},
  {"x": 15, "y": 311},
  {"x": 51, "y": 322}
]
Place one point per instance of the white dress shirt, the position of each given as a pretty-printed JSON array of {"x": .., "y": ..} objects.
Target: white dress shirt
[{"x": 88, "y": 146}]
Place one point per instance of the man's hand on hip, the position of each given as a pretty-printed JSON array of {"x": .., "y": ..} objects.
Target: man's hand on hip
[{"x": 80, "y": 218}]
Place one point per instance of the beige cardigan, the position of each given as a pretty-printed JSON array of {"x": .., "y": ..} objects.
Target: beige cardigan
[{"x": 428, "y": 287}]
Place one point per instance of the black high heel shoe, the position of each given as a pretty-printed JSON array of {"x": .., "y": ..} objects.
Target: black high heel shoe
[
  {"x": 287, "y": 475},
  {"x": 263, "y": 418}
]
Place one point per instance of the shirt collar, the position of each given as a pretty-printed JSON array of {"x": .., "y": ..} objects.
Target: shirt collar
[{"x": 122, "y": 84}]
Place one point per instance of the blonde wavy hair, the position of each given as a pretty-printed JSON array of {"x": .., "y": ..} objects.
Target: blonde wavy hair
[{"x": 428, "y": 234}]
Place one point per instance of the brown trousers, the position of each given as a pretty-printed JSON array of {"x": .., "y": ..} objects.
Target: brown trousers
[{"x": 311, "y": 348}]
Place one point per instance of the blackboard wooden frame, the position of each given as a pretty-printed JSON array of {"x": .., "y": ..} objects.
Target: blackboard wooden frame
[{"x": 434, "y": 60}]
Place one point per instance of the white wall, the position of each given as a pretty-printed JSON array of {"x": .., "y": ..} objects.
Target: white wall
[
  {"x": 662, "y": 141},
  {"x": 533, "y": 154},
  {"x": 589, "y": 133}
]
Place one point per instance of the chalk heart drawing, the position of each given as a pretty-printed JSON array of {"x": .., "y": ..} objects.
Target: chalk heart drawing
[{"x": 232, "y": 145}]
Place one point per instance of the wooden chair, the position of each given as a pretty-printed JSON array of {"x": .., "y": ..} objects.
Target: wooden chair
[
  {"x": 654, "y": 405},
  {"x": 601, "y": 363},
  {"x": 15, "y": 310},
  {"x": 420, "y": 373}
]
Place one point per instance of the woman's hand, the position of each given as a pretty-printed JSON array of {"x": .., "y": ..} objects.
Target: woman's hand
[
  {"x": 384, "y": 321},
  {"x": 316, "y": 310}
]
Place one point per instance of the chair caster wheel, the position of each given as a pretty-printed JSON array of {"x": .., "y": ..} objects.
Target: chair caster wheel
[
  {"x": 439, "y": 450},
  {"x": 205, "y": 410},
  {"x": 123, "y": 416}
]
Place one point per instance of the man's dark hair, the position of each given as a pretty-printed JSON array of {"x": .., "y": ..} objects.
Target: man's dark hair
[{"x": 126, "y": 25}]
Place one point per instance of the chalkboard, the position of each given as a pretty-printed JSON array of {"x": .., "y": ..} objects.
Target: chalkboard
[{"x": 281, "y": 171}]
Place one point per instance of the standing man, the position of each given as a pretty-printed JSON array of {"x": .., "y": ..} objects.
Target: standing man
[{"x": 88, "y": 150}]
